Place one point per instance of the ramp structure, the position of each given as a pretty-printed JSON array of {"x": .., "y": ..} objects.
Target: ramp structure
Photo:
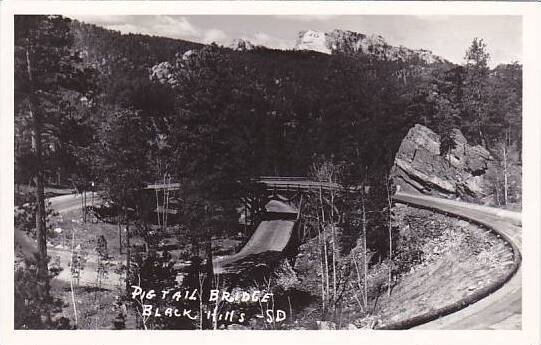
[{"x": 270, "y": 236}]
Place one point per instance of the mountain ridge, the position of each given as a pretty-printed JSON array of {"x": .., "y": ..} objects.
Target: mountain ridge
[
  {"x": 350, "y": 42},
  {"x": 338, "y": 41}
]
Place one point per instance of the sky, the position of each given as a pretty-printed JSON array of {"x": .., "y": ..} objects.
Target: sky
[{"x": 446, "y": 36}]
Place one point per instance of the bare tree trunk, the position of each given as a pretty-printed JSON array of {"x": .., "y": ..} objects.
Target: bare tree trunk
[
  {"x": 167, "y": 201},
  {"x": 333, "y": 249},
  {"x": 210, "y": 267},
  {"x": 158, "y": 207},
  {"x": 323, "y": 294},
  {"x": 216, "y": 305},
  {"x": 119, "y": 233},
  {"x": 164, "y": 202},
  {"x": 71, "y": 278},
  {"x": 365, "y": 261},
  {"x": 41, "y": 227},
  {"x": 505, "y": 182},
  {"x": 208, "y": 243},
  {"x": 326, "y": 262},
  {"x": 359, "y": 287},
  {"x": 92, "y": 201},
  {"x": 389, "y": 205},
  {"x": 128, "y": 259},
  {"x": 200, "y": 279},
  {"x": 326, "y": 256},
  {"x": 84, "y": 205}
]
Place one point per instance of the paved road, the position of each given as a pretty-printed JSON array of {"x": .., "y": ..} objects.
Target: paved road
[
  {"x": 271, "y": 235},
  {"x": 88, "y": 275},
  {"x": 503, "y": 308},
  {"x": 70, "y": 202},
  {"x": 60, "y": 204}
]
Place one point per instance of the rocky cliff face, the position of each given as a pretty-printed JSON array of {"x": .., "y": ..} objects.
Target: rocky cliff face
[
  {"x": 420, "y": 168},
  {"x": 241, "y": 45},
  {"x": 354, "y": 42}
]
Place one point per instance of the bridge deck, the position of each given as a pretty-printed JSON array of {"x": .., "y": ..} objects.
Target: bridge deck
[{"x": 270, "y": 236}]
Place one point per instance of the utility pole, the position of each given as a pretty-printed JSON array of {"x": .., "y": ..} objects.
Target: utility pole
[{"x": 84, "y": 205}]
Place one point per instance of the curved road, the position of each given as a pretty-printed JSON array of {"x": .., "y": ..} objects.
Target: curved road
[
  {"x": 500, "y": 310},
  {"x": 27, "y": 247},
  {"x": 60, "y": 204}
]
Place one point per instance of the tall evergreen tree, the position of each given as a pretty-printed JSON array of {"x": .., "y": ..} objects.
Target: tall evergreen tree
[
  {"x": 48, "y": 77},
  {"x": 476, "y": 91}
]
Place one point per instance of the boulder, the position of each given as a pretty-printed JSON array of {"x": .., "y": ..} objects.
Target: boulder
[
  {"x": 420, "y": 168},
  {"x": 162, "y": 73}
]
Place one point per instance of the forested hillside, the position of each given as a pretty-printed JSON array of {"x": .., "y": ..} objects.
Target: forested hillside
[
  {"x": 289, "y": 106},
  {"x": 98, "y": 109}
]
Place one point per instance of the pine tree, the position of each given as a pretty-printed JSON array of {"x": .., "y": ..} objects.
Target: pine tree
[
  {"x": 476, "y": 91},
  {"x": 49, "y": 76}
]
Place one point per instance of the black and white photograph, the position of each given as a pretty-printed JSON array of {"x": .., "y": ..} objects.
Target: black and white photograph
[{"x": 267, "y": 172}]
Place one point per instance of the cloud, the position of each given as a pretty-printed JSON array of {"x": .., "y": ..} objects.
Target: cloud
[
  {"x": 124, "y": 28},
  {"x": 264, "y": 39},
  {"x": 168, "y": 26},
  {"x": 180, "y": 27},
  {"x": 214, "y": 35},
  {"x": 175, "y": 27},
  {"x": 103, "y": 20}
]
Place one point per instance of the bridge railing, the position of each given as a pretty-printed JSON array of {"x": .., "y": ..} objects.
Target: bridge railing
[
  {"x": 282, "y": 178},
  {"x": 300, "y": 186},
  {"x": 294, "y": 183}
]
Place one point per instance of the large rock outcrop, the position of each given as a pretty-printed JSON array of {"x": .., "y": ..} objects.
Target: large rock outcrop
[
  {"x": 340, "y": 41},
  {"x": 240, "y": 44},
  {"x": 419, "y": 167}
]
